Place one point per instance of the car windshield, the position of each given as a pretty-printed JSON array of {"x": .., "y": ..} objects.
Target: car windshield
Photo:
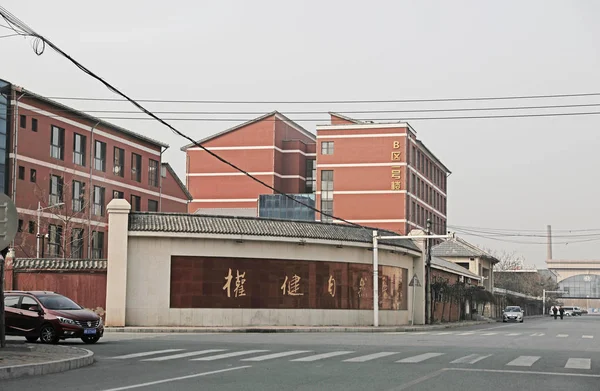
[
  {"x": 57, "y": 302},
  {"x": 513, "y": 309}
]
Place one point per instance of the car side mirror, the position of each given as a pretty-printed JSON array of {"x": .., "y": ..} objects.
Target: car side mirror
[{"x": 36, "y": 308}]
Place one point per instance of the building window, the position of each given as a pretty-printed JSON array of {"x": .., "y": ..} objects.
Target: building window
[
  {"x": 153, "y": 173},
  {"x": 77, "y": 243},
  {"x": 326, "y": 195},
  {"x": 98, "y": 201},
  {"x": 57, "y": 143},
  {"x": 21, "y": 172},
  {"x": 412, "y": 212},
  {"x": 34, "y": 124},
  {"x": 136, "y": 203},
  {"x": 327, "y": 148},
  {"x": 152, "y": 206},
  {"x": 100, "y": 156},
  {"x": 31, "y": 227},
  {"x": 56, "y": 190},
  {"x": 54, "y": 240},
  {"x": 118, "y": 194},
  {"x": 119, "y": 162},
  {"x": 20, "y": 226},
  {"x": 311, "y": 174},
  {"x": 23, "y": 121},
  {"x": 79, "y": 142},
  {"x": 78, "y": 196},
  {"x": 97, "y": 245},
  {"x": 136, "y": 167},
  {"x": 32, "y": 175}
]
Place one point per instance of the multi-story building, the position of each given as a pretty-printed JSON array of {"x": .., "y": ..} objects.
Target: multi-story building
[
  {"x": 63, "y": 168},
  {"x": 377, "y": 174},
  {"x": 272, "y": 148}
]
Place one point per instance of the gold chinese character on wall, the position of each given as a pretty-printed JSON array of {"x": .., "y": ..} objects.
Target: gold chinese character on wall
[
  {"x": 395, "y": 156},
  {"x": 291, "y": 286},
  {"x": 396, "y": 173},
  {"x": 396, "y": 144},
  {"x": 240, "y": 280},
  {"x": 361, "y": 286},
  {"x": 331, "y": 286},
  {"x": 396, "y": 185}
]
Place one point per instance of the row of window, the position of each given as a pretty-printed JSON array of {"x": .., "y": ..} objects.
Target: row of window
[
  {"x": 428, "y": 168},
  {"x": 23, "y": 123},
  {"x": 419, "y": 215},
  {"x": 327, "y": 195},
  {"x": 57, "y": 246},
  {"x": 311, "y": 175},
  {"x": 78, "y": 193},
  {"x": 57, "y": 150},
  {"x": 327, "y": 148},
  {"x": 427, "y": 193}
]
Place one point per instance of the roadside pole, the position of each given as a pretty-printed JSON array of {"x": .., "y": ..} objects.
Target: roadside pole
[
  {"x": 429, "y": 312},
  {"x": 375, "y": 280},
  {"x": 8, "y": 230}
]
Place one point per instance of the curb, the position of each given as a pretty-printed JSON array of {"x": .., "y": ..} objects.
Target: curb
[
  {"x": 173, "y": 330},
  {"x": 44, "y": 368}
]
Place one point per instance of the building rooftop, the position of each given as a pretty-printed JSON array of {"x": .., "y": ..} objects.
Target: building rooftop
[
  {"x": 88, "y": 117},
  {"x": 442, "y": 264},
  {"x": 59, "y": 264},
  {"x": 277, "y": 114},
  {"x": 181, "y": 185},
  {"x": 459, "y": 248},
  {"x": 255, "y": 226}
]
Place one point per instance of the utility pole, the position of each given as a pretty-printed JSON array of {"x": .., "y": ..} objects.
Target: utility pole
[{"x": 428, "y": 309}]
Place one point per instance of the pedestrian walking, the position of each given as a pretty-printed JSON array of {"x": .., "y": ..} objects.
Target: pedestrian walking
[
  {"x": 554, "y": 311},
  {"x": 562, "y": 312}
]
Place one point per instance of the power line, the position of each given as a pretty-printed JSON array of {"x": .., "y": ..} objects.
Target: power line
[
  {"x": 487, "y": 98},
  {"x": 39, "y": 46},
  {"x": 524, "y": 230}
]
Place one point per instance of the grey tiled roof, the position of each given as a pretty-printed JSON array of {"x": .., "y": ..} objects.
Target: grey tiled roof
[
  {"x": 254, "y": 226},
  {"x": 59, "y": 264},
  {"x": 457, "y": 247},
  {"x": 435, "y": 261}
]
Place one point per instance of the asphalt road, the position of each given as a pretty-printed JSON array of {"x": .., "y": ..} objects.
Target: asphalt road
[{"x": 540, "y": 354}]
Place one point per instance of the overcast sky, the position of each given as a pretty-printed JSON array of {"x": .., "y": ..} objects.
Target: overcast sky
[{"x": 516, "y": 173}]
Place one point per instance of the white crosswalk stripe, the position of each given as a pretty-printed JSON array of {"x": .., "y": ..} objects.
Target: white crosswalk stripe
[
  {"x": 420, "y": 358},
  {"x": 587, "y": 336},
  {"x": 443, "y": 333},
  {"x": 579, "y": 363},
  {"x": 489, "y": 334},
  {"x": 467, "y": 333},
  {"x": 145, "y": 354},
  {"x": 470, "y": 359},
  {"x": 228, "y": 355},
  {"x": 276, "y": 355},
  {"x": 513, "y": 334},
  {"x": 184, "y": 355},
  {"x": 538, "y": 334},
  {"x": 322, "y": 356},
  {"x": 562, "y": 335},
  {"x": 370, "y": 357},
  {"x": 523, "y": 361}
]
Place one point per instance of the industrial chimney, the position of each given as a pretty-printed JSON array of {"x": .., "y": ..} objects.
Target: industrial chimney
[{"x": 549, "y": 255}]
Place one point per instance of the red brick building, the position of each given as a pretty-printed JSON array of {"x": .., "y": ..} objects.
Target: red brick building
[
  {"x": 375, "y": 174},
  {"x": 70, "y": 165}
]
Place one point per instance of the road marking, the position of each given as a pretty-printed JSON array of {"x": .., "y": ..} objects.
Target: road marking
[
  {"x": 489, "y": 334},
  {"x": 152, "y": 383},
  {"x": 144, "y": 354},
  {"x": 562, "y": 374},
  {"x": 513, "y": 334},
  {"x": 322, "y": 356},
  {"x": 538, "y": 334},
  {"x": 467, "y": 333},
  {"x": 420, "y": 358},
  {"x": 562, "y": 335},
  {"x": 183, "y": 355},
  {"x": 370, "y": 357},
  {"x": 443, "y": 333},
  {"x": 587, "y": 336},
  {"x": 470, "y": 359},
  {"x": 420, "y": 333},
  {"x": 228, "y": 355},
  {"x": 419, "y": 380},
  {"x": 579, "y": 363},
  {"x": 523, "y": 361},
  {"x": 396, "y": 332},
  {"x": 276, "y": 355}
]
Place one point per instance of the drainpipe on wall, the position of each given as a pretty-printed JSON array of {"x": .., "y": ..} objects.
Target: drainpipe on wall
[
  {"x": 91, "y": 192},
  {"x": 160, "y": 177}
]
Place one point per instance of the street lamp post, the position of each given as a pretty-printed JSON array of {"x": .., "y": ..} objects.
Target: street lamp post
[{"x": 39, "y": 215}]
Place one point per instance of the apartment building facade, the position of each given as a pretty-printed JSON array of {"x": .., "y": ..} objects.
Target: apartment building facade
[
  {"x": 63, "y": 168},
  {"x": 272, "y": 148},
  {"x": 373, "y": 174}
]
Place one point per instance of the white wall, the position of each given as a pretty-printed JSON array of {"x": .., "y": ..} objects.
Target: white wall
[{"x": 148, "y": 281}]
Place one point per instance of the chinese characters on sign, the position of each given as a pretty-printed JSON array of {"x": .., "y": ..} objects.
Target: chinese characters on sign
[
  {"x": 291, "y": 287},
  {"x": 331, "y": 286},
  {"x": 361, "y": 286},
  {"x": 396, "y": 173},
  {"x": 240, "y": 280}
]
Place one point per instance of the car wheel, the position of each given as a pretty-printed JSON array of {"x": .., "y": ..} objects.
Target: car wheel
[
  {"x": 48, "y": 334},
  {"x": 90, "y": 340},
  {"x": 31, "y": 339},
  {"x": 521, "y": 321}
]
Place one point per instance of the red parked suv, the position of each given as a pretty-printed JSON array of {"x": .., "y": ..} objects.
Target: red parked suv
[{"x": 49, "y": 317}]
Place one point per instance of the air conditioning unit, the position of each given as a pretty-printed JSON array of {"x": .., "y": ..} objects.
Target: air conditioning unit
[
  {"x": 461, "y": 278},
  {"x": 117, "y": 170}
]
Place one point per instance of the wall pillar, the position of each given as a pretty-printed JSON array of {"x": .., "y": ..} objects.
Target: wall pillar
[
  {"x": 419, "y": 270},
  {"x": 9, "y": 276},
  {"x": 116, "y": 273}
]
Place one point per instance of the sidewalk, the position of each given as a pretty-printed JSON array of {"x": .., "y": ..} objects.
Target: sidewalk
[
  {"x": 24, "y": 359},
  {"x": 295, "y": 329}
]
